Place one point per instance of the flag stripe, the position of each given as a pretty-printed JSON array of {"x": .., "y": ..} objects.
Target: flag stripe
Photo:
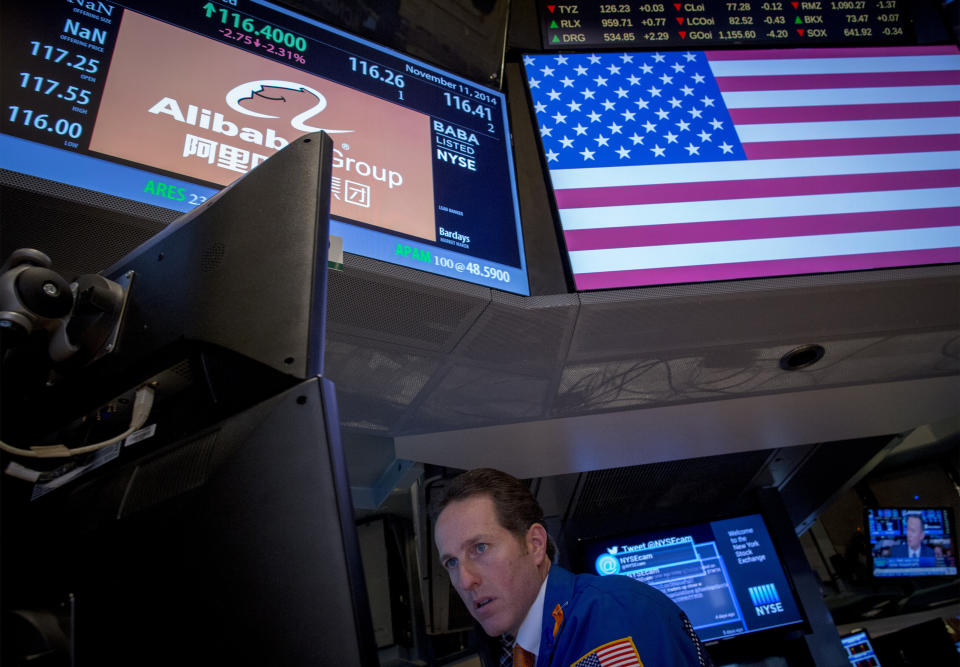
[
  {"x": 754, "y": 250},
  {"x": 867, "y": 52},
  {"x": 734, "y": 230},
  {"x": 761, "y": 269},
  {"x": 726, "y": 171},
  {"x": 845, "y": 112},
  {"x": 847, "y": 129},
  {"x": 766, "y": 65},
  {"x": 832, "y": 80},
  {"x": 767, "y": 207},
  {"x": 766, "y": 150},
  {"x": 816, "y": 97},
  {"x": 627, "y": 195}
]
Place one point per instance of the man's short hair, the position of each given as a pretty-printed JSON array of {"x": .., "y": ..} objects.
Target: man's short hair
[{"x": 516, "y": 508}]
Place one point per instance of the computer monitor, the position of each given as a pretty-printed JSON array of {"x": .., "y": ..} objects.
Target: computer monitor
[{"x": 859, "y": 649}]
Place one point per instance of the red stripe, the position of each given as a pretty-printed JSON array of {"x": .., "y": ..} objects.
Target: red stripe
[
  {"x": 863, "y": 52},
  {"x": 844, "y": 112},
  {"x": 760, "y": 228},
  {"x": 626, "y": 195},
  {"x": 764, "y": 150},
  {"x": 695, "y": 274},
  {"x": 820, "y": 81}
]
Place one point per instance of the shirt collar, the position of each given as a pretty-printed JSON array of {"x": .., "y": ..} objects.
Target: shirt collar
[{"x": 528, "y": 636}]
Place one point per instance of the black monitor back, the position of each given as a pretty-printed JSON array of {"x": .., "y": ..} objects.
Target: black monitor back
[{"x": 234, "y": 546}]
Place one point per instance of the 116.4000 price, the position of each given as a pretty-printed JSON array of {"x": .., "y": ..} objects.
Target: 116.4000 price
[{"x": 42, "y": 121}]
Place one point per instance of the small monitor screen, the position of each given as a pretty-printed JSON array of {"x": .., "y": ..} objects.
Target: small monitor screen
[
  {"x": 907, "y": 542},
  {"x": 696, "y": 166},
  {"x": 725, "y": 575},
  {"x": 860, "y": 650},
  {"x": 165, "y": 103}
]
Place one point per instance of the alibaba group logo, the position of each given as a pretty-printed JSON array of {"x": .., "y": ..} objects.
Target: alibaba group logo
[{"x": 256, "y": 98}]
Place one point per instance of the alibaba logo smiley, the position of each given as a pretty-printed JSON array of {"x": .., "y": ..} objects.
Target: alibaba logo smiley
[{"x": 254, "y": 98}]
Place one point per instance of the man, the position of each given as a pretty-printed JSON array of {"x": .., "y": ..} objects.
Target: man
[
  {"x": 914, "y": 548},
  {"x": 491, "y": 540}
]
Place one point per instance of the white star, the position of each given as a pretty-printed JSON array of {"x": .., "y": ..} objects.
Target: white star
[
  {"x": 707, "y": 101},
  {"x": 657, "y": 151},
  {"x": 566, "y": 142},
  {"x": 561, "y": 60},
  {"x": 704, "y": 136},
  {"x": 661, "y": 114},
  {"x": 580, "y": 129},
  {"x": 690, "y": 56},
  {"x": 587, "y": 154},
  {"x": 581, "y": 70},
  {"x": 559, "y": 117},
  {"x": 698, "y": 78},
  {"x": 545, "y": 131},
  {"x": 547, "y": 70},
  {"x": 670, "y": 137},
  {"x": 621, "y": 92},
  {"x": 539, "y": 107},
  {"x": 593, "y": 58},
  {"x": 726, "y": 148},
  {"x": 666, "y": 78},
  {"x": 614, "y": 128},
  {"x": 628, "y": 115},
  {"x": 649, "y": 127},
  {"x": 677, "y": 67},
  {"x": 627, "y": 58},
  {"x": 528, "y": 60},
  {"x": 574, "y": 105},
  {"x": 674, "y": 102},
  {"x": 534, "y": 83},
  {"x": 634, "y": 80},
  {"x": 608, "y": 105},
  {"x": 636, "y": 139},
  {"x": 623, "y": 152},
  {"x": 587, "y": 94},
  {"x": 654, "y": 91},
  {"x": 646, "y": 68},
  {"x": 691, "y": 149},
  {"x": 717, "y": 124},
  {"x": 566, "y": 81},
  {"x": 600, "y": 81},
  {"x": 594, "y": 117},
  {"x": 683, "y": 125},
  {"x": 601, "y": 140},
  {"x": 687, "y": 91},
  {"x": 552, "y": 156},
  {"x": 613, "y": 69},
  {"x": 553, "y": 95},
  {"x": 659, "y": 57},
  {"x": 695, "y": 113},
  {"x": 642, "y": 103}
]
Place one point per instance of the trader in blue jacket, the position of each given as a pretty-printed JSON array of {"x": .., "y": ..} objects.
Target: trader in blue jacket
[{"x": 491, "y": 540}]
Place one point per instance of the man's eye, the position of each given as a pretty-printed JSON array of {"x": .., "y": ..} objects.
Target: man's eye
[
  {"x": 480, "y": 548},
  {"x": 450, "y": 563}
]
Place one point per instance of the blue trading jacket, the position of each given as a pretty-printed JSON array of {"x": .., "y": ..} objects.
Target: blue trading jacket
[{"x": 583, "y": 613}]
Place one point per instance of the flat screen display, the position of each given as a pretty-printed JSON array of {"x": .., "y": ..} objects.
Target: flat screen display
[
  {"x": 860, "y": 650},
  {"x": 725, "y": 575},
  {"x": 912, "y": 542},
  {"x": 696, "y": 166},
  {"x": 166, "y": 103}
]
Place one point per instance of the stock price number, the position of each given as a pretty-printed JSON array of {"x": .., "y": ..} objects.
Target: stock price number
[
  {"x": 468, "y": 106},
  {"x": 47, "y": 86},
  {"x": 56, "y": 54},
  {"x": 619, "y": 37},
  {"x": 237, "y": 21},
  {"x": 377, "y": 73},
  {"x": 42, "y": 121}
]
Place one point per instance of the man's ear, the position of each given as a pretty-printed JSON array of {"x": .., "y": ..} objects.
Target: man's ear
[{"x": 537, "y": 542}]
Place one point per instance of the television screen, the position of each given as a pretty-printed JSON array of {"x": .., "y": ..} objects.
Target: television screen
[
  {"x": 859, "y": 649},
  {"x": 725, "y": 575},
  {"x": 165, "y": 104},
  {"x": 906, "y": 542},
  {"x": 695, "y": 166}
]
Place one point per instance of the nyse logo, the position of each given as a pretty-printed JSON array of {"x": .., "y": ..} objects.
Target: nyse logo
[{"x": 766, "y": 600}]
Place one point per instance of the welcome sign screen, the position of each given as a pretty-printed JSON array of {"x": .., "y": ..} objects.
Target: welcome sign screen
[
  {"x": 725, "y": 575},
  {"x": 167, "y": 102}
]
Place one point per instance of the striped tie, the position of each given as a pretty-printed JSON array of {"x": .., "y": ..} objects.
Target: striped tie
[{"x": 506, "y": 651}]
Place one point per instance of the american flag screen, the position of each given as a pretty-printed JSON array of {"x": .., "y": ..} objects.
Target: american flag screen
[{"x": 695, "y": 166}]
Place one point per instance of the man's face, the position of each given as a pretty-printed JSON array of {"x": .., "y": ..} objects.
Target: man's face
[
  {"x": 495, "y": 573},
  {"x": 914, "y": 532}
]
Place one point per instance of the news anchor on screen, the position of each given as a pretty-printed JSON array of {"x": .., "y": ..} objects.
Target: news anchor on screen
[{"x": 914, "y": 548}]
